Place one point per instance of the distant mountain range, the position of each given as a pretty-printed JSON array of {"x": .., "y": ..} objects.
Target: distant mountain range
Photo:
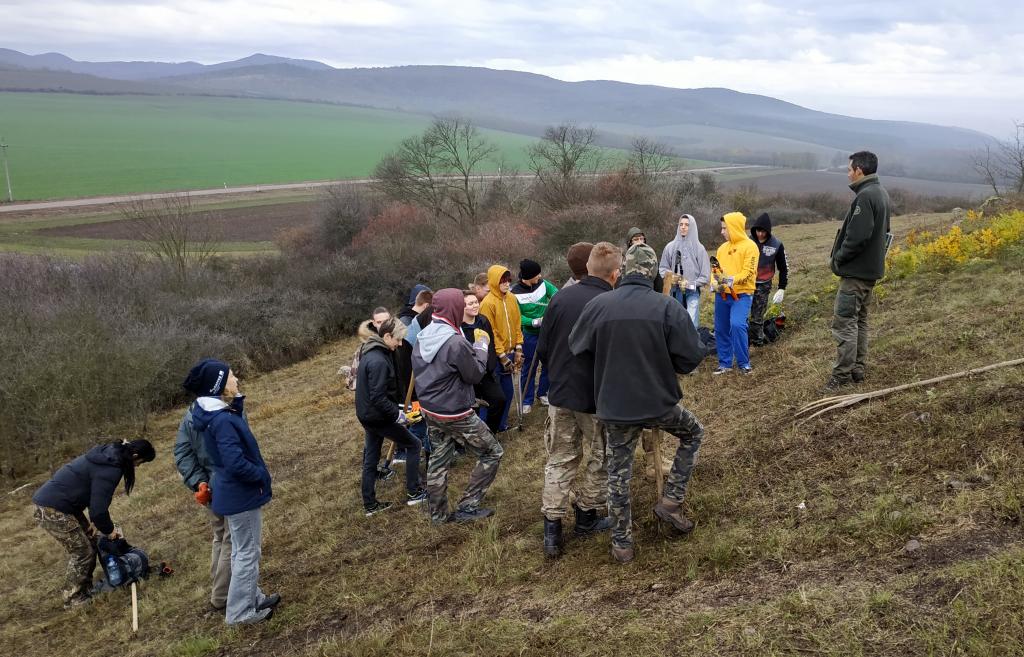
[{"x": 710, "y": 123}]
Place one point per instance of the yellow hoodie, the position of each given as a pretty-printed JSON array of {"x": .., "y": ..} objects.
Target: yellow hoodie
[
  {"x": 502, "y": 311},
  {"x": 739, "y": 255}
]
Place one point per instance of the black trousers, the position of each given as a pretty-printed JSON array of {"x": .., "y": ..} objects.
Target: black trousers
[{"x": 489, "y": 390}]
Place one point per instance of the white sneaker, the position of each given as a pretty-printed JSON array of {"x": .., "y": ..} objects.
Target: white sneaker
[
  {"x": 544, "y": 400},
  {"x": 526, "y": 409}
]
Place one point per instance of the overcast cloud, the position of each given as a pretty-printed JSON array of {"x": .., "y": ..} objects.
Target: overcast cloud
[{"x": 951, "y": 63}]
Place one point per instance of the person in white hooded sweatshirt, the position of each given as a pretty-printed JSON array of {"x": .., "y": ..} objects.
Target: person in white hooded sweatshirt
[{"x": 686, "y": 266}]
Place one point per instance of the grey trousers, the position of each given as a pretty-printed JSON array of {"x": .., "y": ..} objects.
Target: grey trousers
[
  {"x": 244, "y": 592},
  {"x": 850, "y": 326}
]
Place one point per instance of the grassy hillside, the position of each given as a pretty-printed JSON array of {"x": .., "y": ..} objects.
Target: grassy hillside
[
  {"x": 758, "y": 576},
  {"x": 65, "y": 145}
]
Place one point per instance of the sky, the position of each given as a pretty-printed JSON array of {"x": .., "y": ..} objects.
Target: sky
[{"x": 951, "y": 63}]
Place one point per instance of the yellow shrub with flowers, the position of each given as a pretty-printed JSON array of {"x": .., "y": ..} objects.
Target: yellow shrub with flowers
[{"x": 984, "y": 239}]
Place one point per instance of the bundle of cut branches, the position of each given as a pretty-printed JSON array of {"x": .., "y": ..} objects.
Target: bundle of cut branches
[{"x": 816, "y": 408}]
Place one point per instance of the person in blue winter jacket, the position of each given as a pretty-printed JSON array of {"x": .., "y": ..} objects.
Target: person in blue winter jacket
[{"x": 243, "y": 484}]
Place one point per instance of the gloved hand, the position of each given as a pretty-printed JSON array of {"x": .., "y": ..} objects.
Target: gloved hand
[
  {"x": 402, "y": 418},
  {"x": 481, "y": 339},
  {"x": 518, "y": 362},
  {"x": 683, "y": 283},
  {"x": 535, "y": 323},
  {"x": 729, "y": 281},
  {"x": 412, "y": 417},
  {"x": 203, "y": 494},
  {"x": 779, "y": 296},
  {"x": 506, "y": 364}
]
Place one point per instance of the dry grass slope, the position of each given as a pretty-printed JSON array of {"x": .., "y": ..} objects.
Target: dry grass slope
[{"x": 758, "y": 576}]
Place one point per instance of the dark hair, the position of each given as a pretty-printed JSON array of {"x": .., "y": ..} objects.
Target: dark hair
[
  {"x": 424, "y": 296},
  {"x": 378, "y": 310},
  {"x": 866, "y": 161},
  {"x": 391, "y": 326},
  {"x": 141, "y": 448}
]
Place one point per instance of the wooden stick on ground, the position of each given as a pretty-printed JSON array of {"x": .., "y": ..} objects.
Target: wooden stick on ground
[
  {"x": 659, "y": 467},
  {"x": 135, "y": 608},
  {"x": 816, "y": 408}
]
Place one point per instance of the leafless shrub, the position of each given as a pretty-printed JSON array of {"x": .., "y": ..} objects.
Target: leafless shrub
[
  {"x": 559, "y": 161},
  {"x": 172, "y": 232}
]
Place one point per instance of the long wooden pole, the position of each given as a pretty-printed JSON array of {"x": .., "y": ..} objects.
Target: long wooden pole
[
  {"x": 842, "y": 401},
  {"x": 135, "y": 608}
]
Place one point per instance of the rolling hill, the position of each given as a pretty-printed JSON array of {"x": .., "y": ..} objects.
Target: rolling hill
[{"x": 711, "y": 123}]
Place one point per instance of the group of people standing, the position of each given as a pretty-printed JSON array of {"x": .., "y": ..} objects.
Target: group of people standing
[{"x": 603, "y": 354}]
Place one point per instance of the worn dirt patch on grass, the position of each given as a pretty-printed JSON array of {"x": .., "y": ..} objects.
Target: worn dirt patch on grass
[{"x": 250, "y": 224}]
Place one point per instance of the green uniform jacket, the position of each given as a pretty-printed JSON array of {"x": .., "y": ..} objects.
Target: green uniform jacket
[
  {"x": 533, "y": 303},
  {"x": 859, "y": 249}
]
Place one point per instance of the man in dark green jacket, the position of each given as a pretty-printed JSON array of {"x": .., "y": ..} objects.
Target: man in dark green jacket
[{"x": 858, "y": 258}]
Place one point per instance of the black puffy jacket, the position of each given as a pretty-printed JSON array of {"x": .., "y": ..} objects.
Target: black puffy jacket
[
  {"x": 376, "y": 385},
  {"x": 88, "y": 482}
]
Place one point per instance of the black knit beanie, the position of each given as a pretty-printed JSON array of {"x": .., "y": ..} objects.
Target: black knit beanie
[
  {"x": 207, "y": 378},
  {"x": 528, "y": 269}
]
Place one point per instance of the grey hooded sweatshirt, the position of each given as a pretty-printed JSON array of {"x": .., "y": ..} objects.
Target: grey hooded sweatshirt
[
  {"x": 445, "y": 364},
  {"x": 687, "y": 256}
]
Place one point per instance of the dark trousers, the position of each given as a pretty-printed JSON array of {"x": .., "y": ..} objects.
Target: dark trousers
[
  {"x": 371, "y": 455},
  {"x": 529, "y": 375},
  {"x": 489, "y": 390}
]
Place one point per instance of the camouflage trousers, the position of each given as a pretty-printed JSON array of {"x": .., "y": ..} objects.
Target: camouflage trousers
[
  {"x": 477, "y": 439},
  {"x": 850, "y": 326},
  {"x": 757, "y": 309},
  {"x": 622, "y": 440},
  {"x": 573, "y": 439},
  {"x": 82, "y": 561}
]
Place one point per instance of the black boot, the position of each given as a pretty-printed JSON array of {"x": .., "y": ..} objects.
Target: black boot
[
  {"x": 588, "y": 522},
  {"x": 552, "y": 538}
]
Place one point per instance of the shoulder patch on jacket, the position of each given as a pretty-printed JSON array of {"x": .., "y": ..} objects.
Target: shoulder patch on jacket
[{"x": 856, "y": 210}]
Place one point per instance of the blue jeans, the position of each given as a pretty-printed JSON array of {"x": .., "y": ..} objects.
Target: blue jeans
[
  {"x": 244, "y": 592},
  {"x": 731, "y": 330},
  {"x": 371, "y": 455},
  {"x": 691, "y": 300},
  {"x": 530, "y": 367}
]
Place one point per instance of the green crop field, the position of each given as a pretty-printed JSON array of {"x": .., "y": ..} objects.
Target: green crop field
[{"x": 68, "y": 145}]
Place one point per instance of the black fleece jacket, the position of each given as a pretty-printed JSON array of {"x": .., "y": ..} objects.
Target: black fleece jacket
[
  {"x": 772, "y": 253},
  {"x": 639, "y": 340},
  {"x": 571, "y": 377}
]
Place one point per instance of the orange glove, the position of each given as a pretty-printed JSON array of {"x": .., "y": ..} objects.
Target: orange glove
[{"x": 204, "y": 495}]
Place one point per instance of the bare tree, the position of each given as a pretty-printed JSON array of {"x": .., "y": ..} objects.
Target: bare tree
[
  {"x": 649, "y": 159},
  {"x": 559, "y": 159},
  {"x": 173, "y": 232},
  {"x": 437, "y": 170},
  {"x": 1003, "y": 163}
]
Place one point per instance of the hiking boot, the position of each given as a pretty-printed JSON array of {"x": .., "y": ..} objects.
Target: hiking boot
[
  {"x": 269, "y": 602},
  {"x": 377, "y": 507},
  {"x": 78, "y": 601},
  {"x": 671, "y": 512},
  {"x": 544, "y": 400},
  {"x": 857, "y": 377},
  {"x": 746, "y": 370},
  {"x": 419, "y": 497},
  {"x": 836, "y": 383},
  {"x": 622, "y": 555},
  {"x": 721, "y": 370},
  {"x": 471, "y": 515},
  {"x": 385, "y": 474},
  {"x": 588, "y": 522},
  {"x": 553, "y": 538}
]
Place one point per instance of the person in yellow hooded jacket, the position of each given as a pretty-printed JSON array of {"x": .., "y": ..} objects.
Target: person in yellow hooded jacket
[
  {"x": 501, "y": 309},
  {"x": 733, "y": 288}
]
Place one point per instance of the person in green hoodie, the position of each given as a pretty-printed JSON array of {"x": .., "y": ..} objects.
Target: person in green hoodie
[
  {"x": 534, "y": 294},
  {"x": 858, "y": 259}
]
